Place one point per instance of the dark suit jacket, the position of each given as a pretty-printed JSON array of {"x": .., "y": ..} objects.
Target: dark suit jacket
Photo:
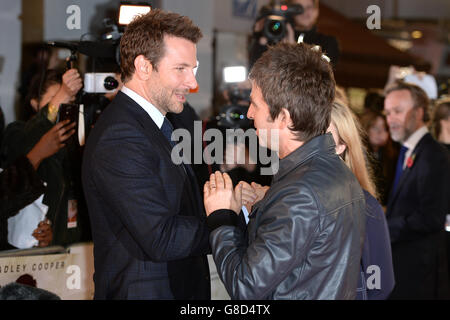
[
  {"x": 148, "y": 222},
  {"x": 416, "y": 214}
]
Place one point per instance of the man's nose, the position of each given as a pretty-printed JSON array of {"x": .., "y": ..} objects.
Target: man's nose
[
  {"x": 250, "y": 112},
  {"x": 191, "y": 81},
  {"x": 388, "y": 117}
]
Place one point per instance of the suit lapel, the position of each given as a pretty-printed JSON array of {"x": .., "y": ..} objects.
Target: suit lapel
[
  {"x": 407, "y": 172},
  {"x": 150, "y": 129}
]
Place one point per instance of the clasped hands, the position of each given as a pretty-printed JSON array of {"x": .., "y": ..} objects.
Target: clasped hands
[{"x": 219, "y": 193}]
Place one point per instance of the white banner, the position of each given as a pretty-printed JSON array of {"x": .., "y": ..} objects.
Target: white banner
[{"x": 68, "y": 275}]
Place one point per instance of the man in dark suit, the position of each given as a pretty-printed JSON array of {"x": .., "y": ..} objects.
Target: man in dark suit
[
  {"x": 147, "y": 217},
  {"x": 419, "y": 200}
]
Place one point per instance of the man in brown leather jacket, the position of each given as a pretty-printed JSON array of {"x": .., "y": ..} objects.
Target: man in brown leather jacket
[{"x": 305, "y": 236}]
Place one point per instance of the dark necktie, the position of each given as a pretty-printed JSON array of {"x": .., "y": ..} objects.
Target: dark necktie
[
  {"x": 399, "y": 169},
  {"x": 167, "y": 130}
]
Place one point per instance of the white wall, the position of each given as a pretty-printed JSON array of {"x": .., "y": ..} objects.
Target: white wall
[
  {"x": 92, "y": 12},
  {"x": 225, "y": 21},
  {"x": 10, "y": 53}
]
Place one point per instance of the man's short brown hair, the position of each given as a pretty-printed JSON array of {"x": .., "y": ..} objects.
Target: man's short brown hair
[
  {"x": 418, "y": 95},
  {"x": 145, "y": 36},
  {"x": 299, "y": 79}
]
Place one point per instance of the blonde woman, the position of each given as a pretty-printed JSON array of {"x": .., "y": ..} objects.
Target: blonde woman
[{"x": 377, "y": 276}]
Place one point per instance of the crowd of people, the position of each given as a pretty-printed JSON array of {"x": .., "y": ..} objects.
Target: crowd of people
[{"x": 356, "y": 209}]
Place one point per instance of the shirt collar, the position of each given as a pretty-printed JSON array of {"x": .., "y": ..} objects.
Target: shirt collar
[
  {"x": 414, "y": 139},
  {"x": 152, "y": 111}
]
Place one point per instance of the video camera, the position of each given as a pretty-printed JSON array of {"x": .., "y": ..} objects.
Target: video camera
[
  {"x": 91, "y": 101},
  {"x": 108, "y": 47},
  {"x": 277, "y": 17},
  {"x": 233, "y": 115}
]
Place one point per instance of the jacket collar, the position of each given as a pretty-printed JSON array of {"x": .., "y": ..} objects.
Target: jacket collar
[
  {"x": 320, "y": 144},
  {"x": 416, "y": 152}
]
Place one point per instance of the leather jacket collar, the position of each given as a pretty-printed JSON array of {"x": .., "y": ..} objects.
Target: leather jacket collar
[{"x": 323, "y": 143}]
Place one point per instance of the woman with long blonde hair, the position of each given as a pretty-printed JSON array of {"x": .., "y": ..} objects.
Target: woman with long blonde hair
[
  {"x": 350, "y": 146},
  {"x": 376, "y": 256}
]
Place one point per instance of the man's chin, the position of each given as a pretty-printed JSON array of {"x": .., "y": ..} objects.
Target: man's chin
[
  {"x": 177, "y": 108},
  {"x": 263, "y": 143},
  {"x": 397, "y": 138}
]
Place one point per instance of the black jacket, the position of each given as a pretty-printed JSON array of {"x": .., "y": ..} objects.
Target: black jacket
[
  {"x": 19, "y": 139},
  {"x": 416, "y": 215},
  {"x": 20, "y": 185},
  {"x": 148, "y": 221},
  {"x": 305, "y": 236}
]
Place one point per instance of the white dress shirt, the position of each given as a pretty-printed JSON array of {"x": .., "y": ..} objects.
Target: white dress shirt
[{"x": 152, "y": 111}]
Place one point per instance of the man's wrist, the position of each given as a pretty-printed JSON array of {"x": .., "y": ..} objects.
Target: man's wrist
[
  {"x": 222, "y": 217},
  {"x": 34, "y": 158}
]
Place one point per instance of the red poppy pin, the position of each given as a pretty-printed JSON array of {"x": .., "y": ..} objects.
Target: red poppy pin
[{"x": 410, "y": 161}]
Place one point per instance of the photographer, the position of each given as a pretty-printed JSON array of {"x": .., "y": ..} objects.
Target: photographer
[
  {"x": 63, "y": 196},
  {"x": 20, "y": 185},
  {"x": 297, "y": 25}
]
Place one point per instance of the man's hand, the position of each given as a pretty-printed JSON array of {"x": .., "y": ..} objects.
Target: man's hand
[
  {"x": 290, "y": 34},
  {"x": 249, "y": 196},
  {"x": 71, "y": 83},
  {"x": 51, "y": 142},
  {"x": 259, "y": 190},
  {"x": 43, "y": 233},
  {"x": 218, "y": 194}
]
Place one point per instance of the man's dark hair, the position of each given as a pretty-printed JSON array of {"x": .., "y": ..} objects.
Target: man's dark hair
[
  {"x": 145, "y": 36},
  {"x": 299, "y": 79},
  {"x": 418, "y": 95}
]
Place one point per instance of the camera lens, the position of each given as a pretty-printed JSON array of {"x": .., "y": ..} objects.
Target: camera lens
[
  {"x": 275, "y": 29},
  {"x": 110, "y": 83}
]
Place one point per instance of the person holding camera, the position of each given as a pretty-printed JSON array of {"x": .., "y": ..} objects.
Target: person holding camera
[
  {"x": 20, "y": 184},
  {"x": 62, "y": 196},
  {"x": 297, "y": 25}
]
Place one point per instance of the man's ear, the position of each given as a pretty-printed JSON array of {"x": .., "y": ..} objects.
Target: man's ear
[
  {"x": 419, "y": 113},
  {"x": 142, "y": 67},
  {"x": 34, "y": 104},
  {"x": 285, "y": 118},
  {"x": 340, "y": 148}
]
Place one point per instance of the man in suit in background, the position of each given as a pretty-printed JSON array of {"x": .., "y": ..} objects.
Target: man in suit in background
[
  {"x": 419, "y": 199},
  {"x": 148, "y": 221}
]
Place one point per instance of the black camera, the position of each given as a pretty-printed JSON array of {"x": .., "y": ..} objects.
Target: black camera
[
  {"x": 277, "y": 17},
  {"x": 234, "y": 115}
]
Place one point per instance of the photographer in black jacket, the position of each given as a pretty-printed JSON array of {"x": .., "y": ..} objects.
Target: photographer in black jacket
[{"x": 302, "y": 24}]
